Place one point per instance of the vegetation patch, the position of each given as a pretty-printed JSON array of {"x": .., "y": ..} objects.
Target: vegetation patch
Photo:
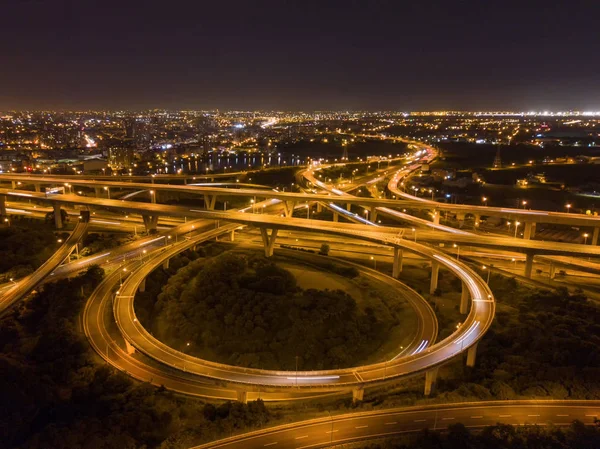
[{"x": 246, "y": 310}]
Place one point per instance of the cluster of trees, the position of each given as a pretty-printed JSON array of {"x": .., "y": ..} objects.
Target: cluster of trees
[
  {"x": 22, "y": 250},
  {"x": 55, "y": 394},
  {"x": 500, "y": 436},
  {"x": 542, "y": 344},
  {"x": 250, "y": 312}
]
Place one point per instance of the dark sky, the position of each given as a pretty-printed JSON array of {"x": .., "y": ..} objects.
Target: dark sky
[{"x": 300, "y": 55}]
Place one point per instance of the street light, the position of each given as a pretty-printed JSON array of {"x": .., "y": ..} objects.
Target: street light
[
  {"x": 457, "y": 251},
  {"x": 517, "y": 223},
  {"x": 524, "y": 203},
  {"x": 374, "y": 262},
  {"x": 415, "y": 233},
  {"x": 568, "y": 206},
  {"x": 484, "y": 199},
  {"x": 585, "y": 236},
  {"x": 488, "y": 272}
]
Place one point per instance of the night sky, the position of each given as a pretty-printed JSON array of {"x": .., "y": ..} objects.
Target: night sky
[{"x": 300, "y": 55}]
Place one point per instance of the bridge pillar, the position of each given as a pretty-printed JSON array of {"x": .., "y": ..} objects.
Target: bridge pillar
[
  {"x": 143, "y": 285},
  {"x": 97, "y": 191},
  {"x": 528, "y": 265},
  {"x": 397, "y": 268},
  {"x": 529, "y": 231},
  {"x": 552, "y": 271},
  {"x": 232, "y": 236},
  {"x": 37, "y": 188},
  {"x": 430, "y": 380},
  {"x": 209, "y": 201},
  {"x": 477, "y": 220},
  {"x": 358, "y": 394},
  {"x": 14, "y": 184},
  {"x": 130, "y": 349},
  {"x": 288, "y": 208},
  {"x": 319, "y": 207},
  {"x": 435, "y": 272},
  {"x": 150, "y": 221},
  {"x": 57, "y": 217},
  {"x": 348, "y": 207},
  {"x": 165, "y": 264},
  {"x": 436, "y": 217},
  {"x": 2, "y": 205},
  {"x": 471, "y": 355},
  {"x": 464, "y": 299},
  {"x": 373, "y": 214},
  {"x": 336, "y": 217},
  {"x": 242, "y": 396},
  {"x": 595, "y": 235},
  {"x": 268, "y": 240}
]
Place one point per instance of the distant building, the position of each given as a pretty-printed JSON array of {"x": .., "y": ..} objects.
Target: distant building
[
  {"x": 120, "y": 157},
  {"x": 497, "y": 160}
]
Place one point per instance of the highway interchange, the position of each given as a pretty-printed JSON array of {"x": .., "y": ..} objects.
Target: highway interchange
[{"x": 162, "y": 365}]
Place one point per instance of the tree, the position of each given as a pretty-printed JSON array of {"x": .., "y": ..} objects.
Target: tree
[{"x": 324, "y": 251}]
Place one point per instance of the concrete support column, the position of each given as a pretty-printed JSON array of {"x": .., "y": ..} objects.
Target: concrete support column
[
  {"x": 14, "y": 184},
  {"x": 529, "y": 231},
  {"x": 165, "y": 264},
  {"x": 471, "y": 355},
  {"x": 130, "y": 349},
  {"x": 348, "y": 207},
  {"x": 232, "y": 236},
  {"x": 436, "y": 217},
  {"x": 37, "y": 188},
  {"x": 552, "y": 271},
  {"x": 98, "y": 191},
  {"x": 151, "y": 222},
  {"x": 435, "y": 272},
  {"x": 358, "y": 394},
  {"x": 430, "y": 379},
  {"x": 288, "y": 208},
  {"x": 2, "y": 205},
  {"x": 336, "y": 217},
  {"x": 153, "y": 194},
  {"x": 373, "y": 214},
  {"x": 268, "y": 240},
  {"x": 57, "y": 217},
  {"x": 143, "y": 285},
  {"x": 477, "y": 220},
  {"x": 210, "y": 200},
  {"x": 242, "y": 396},
  {"x": 397, "y": 268},
  {"x": 595, "y": 235},
  {"x": 528, "y": 265},
  {"x": 319, "y": 207},
  {"x": 464, "y": 299}
]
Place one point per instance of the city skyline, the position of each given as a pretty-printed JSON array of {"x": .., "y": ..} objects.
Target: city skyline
[{"x": 270, "y": 56}]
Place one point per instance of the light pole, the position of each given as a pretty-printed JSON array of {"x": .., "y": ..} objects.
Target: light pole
[
  {"x": 488, "y": 273},
  {"x": 484, "y": 199},
  {"x": 524, "y": 203},
  {"x": 107, "y": 192},
  {"x": 517, "y": 223},
  {"x": 568, "y": 206},
  {"x": 415, "y": 233},
  {"x": 296, "y": 370},
  {"x": 585, "y": 236},
  {"x": 252, "y": 202},
  {"x": 457, "y": 251},
  {"x": 307, "y": 212},
  {"x": 374, "y": 262},
  {"x": 331, "y": 431}
]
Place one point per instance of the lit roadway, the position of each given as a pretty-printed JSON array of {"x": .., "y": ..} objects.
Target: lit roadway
[
  {"x": 343, "y": 429},
  {"x": 27, "y": 284}
]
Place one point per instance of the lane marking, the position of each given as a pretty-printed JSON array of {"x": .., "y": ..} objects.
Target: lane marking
[
  {"x": 419, "y": 420},
  {"x": 360, "y": 427},
  {"x": 533, "y": 416},
  {"x": 270, "y": 444},
  {"x": 593, "y": 416},
  {"x": 562, "y": 415},
  {"x": 391, "y": 423},
  {"x": 303, "y": 436},
  {"x": 476, "y": 417},
  {"x": 358, "y": 377},
  {"x": 444, "y": 419},
  {"x": 504, "y": 416},
  {"x": 331, "y": 431}
]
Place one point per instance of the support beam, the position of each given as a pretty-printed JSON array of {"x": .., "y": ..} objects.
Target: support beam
[
  {"x": 209, "y": 201},
  {"x": 2, "y": 205},
  {"x": 143, "y": 285},
  {"x": 552, "y": 271},
  {"x": 97, "y": 191},
  {"x": 528, "y": 265},
  {"x": 397, "y": 268},
  {"x": 130, "y": 349},
  {"x": 430, "y": 379},
  {"x": 57, "y": 216},
  {"x": 358, "y": 394},
  {"x": 268, "y": 240},
  {"x": 464, "y": 299},
  {"x": 319, "y": 207},
  {"x": 288, "y": 208},
  {"x": 595, "y": 235},
  {"x": 242, "y": 396},
  {"x": 165, "y": 264},
  {"x": 435, "y": 272},
  {"x": 472, "y": 355},
  {"x": 336, "y": 217},
  {"x": 151, "y": 222},
  {"x": 373, "y": 215},
  {"x": 232, "y": 236},
  {"x": 529, "y": 231},
  {"x": 348, "y": 207},
  {"x": 37, "y": 188}
]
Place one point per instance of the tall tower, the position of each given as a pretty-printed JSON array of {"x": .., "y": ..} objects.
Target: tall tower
[{"x": 497, "y": 160}]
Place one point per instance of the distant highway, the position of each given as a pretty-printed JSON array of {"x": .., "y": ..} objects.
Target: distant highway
[{"x": 344, "y": 429}]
